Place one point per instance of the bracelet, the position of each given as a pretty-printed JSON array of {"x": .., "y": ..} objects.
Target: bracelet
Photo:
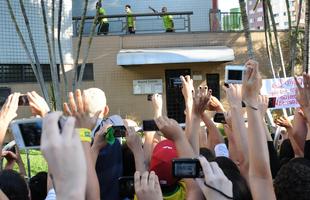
[
  {"x": 84, "y": 134},
  {"x": 250, "y": 106}
]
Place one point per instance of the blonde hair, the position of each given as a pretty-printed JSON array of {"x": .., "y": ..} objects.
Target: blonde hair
[{"x": 96, "y": 99}]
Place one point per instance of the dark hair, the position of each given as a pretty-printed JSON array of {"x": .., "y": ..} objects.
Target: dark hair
[
  {"x": 38, "y": 186},
  {"x": 241, "y": 189},
  {"x": 128, "y": 6},
  {"x": 286, "y": 152},
  {"x": 207, "y": 153},
  {"x": 13, "y": 185},
  {"x": 293, "y": 180}
]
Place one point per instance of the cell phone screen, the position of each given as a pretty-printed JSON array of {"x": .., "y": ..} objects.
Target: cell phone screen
[
  {"x": 31, "y": 133},
  {"x": 219, "y": 118},
  {"x": 119, "y": 131},
  {"x": 187, "y": 168},
  {"x": 23, "y": 100},
  {"x": 149, "y": 125}
]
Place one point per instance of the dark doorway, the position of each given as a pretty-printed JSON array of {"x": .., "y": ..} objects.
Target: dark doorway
[
  {"x": 213, "y": 82},
  {"x": 174, "y": 97}
]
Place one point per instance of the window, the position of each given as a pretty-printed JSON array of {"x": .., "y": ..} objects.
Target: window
[
  {"x": 259, "y": 19},
  {"x": 88, "y": 72},
  {"x": 284, "y": 14},
  {"x": 276, "y": 15},
  {"x": 21, "y": 73}
]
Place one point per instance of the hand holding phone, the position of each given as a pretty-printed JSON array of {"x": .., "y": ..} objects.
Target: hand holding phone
[
  {"x": 187, "y": 168},
  {"x": 219, "y": 118}
]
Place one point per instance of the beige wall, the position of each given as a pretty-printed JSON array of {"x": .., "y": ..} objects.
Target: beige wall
[{"x": 116, "y": 81}]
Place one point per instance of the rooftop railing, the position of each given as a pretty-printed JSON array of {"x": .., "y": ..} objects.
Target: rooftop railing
[
  {"x": 225, "y": 21},
  {"x": 145, "y": 23}
]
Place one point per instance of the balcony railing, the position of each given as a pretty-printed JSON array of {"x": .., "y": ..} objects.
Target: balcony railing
[
  {"x": 225, "y": 21},
  {"x": 145, "y": 23}
]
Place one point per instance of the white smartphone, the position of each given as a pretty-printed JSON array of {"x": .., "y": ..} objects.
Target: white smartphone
[{"x": 27, "y": 132}]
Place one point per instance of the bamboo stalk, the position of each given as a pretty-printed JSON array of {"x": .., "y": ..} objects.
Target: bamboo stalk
[
  {"x": 266, "y": 27},
  {"x": 247, "y": 34},
  {"x": 22, "y": 40},
  {"x": 81, "y": 30},
  {"x": 294, "y": 40},
  {"x": 276, "y": 38},
  {"x": 60, "y": 51},
  {"x": 93, "y": 29},
  {"x": 52, "y": 61},
  {"x": 38, "y": 69},
  {"x": 306, "y": 39}
]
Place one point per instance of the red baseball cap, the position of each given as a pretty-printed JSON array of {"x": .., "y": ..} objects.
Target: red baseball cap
[{"x": 161, "y": 162}]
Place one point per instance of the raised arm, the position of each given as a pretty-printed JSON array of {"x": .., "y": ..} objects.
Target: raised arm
[
  {"x": 259, "y": 168},
  {"x": 285, "y": 122},
  {"x": 64, "y": 154},
  {"x": 192, "y": 121},
  {"x": 239, "y": 134},
  {"x": 84, "y": 124},
  {"x": 173, "y": 131},
  {"x": 303, "y": 98},
  {"x": 151, "y": 138},
  {"x": 134, "y": 142},
  {"x": 7, "y": 114}
]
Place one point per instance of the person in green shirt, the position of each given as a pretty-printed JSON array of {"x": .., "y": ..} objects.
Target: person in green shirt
[
  {"x": 131, "y": 22},
  {"x": 167, "y": 20},
  {"x": 103, "y": 22}
]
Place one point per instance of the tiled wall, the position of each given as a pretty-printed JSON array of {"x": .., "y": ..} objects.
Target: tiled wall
[
  {"x": 199, "y": 20},
  {"x": 11, "y": 51},
  {"x": 116, "y": 81}
]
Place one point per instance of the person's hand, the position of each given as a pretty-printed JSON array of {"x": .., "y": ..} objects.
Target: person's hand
[
  {"x": 303, "y": 94},
  {"x": 147, "y": 186},
  {"x": 79, "y": 110},
  {"x": 201, "y": 100},
  {"x": 228, "y": 120},
  {"x": 7, "y": 114},
  {"x": 187, "y": 88},
  {"x": 215, "y": 105},
  {"x": 99, "y": 139},
  {"x": 37, "y": 104},
  {"x": 234, "y": 94},
  {"x": 157, "y": 102},
  {"x": 283, "y": 122},
  {"x": 133, "y": 140},
  {"x": 9, "y": 109},
  {"x": 10, "y": 157},
  {"x": 170, "y": 128},
  {"x": 65, "y": 157},
  {"x": 263, "y": 104},
  {"x": 215, "y": 179},
  {"x": 251, "y": 84}
]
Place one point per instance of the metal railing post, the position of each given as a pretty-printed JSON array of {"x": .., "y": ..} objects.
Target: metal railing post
[{"x": 189, "y": 23}]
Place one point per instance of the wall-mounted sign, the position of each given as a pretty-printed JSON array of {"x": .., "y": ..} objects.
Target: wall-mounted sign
[{"x": 148, "y": 86}]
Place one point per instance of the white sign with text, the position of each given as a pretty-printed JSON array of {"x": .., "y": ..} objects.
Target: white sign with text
[
  {"x": 284, "y": 89},
  {"x": 148, "y": 86}
]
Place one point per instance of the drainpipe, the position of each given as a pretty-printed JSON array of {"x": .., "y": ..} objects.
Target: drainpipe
[{"x": 214, "y": 16}]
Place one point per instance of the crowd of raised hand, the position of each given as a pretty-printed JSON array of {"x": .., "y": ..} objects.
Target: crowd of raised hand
[{"x": 241, "y": 162}]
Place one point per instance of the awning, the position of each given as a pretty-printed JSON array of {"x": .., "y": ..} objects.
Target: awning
[{"x": 175, "y": 55}]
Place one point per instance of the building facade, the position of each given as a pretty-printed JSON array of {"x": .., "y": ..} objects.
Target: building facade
[
  {"x": 256, "y": 17},
  {"x": 127, "y": 83}
]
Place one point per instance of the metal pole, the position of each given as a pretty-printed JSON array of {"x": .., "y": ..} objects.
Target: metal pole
[
  {"x": 189, "y": 23},
  {"x": 28, "y": 163}
]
